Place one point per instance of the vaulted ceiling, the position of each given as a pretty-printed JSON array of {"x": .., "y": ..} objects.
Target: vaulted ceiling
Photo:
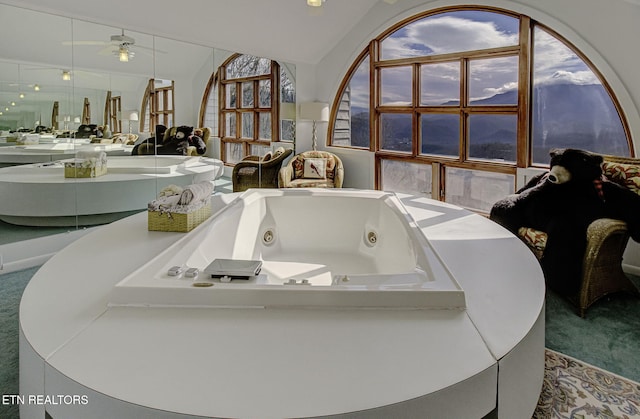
[{"x": 286, "y": 30}]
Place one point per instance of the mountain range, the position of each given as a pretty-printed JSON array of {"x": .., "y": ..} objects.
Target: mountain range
[{"x": 563, "y": 116}]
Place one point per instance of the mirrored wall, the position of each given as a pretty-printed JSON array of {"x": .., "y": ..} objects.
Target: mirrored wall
[{"x": 71, "y": 73}]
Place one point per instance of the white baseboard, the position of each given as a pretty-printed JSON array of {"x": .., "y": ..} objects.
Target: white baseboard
[{"x": 33, "y": 252}]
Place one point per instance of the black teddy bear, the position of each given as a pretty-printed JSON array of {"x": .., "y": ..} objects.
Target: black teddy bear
[
  {"x": 562, "y": 203},
  {"x": 178, "y": 142}
]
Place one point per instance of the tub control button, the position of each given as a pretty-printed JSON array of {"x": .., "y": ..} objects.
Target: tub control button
[
  {"x": 294, "y": 282},
  {"x": 174, "y": 271},
  {"x": 191, "y": 273}
]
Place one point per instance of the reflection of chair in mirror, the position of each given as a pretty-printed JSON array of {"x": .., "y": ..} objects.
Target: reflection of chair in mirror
[
  {"x": 125, "y": 139},
  {"x": 313, "y": 169},
  {"x": 204, "y": 134},
  {"x": 259, "y": 172},
  {"x": 86, "y": 131},
  {"x": 163, "y": 138}
]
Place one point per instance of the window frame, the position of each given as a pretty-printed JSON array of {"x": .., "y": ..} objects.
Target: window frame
[
  {"x": 273, "y": 76},
  {"x": 523, "y": 49},
  {"x": 153, "y": 114}
]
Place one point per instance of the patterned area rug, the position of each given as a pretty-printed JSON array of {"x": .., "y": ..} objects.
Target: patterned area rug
[{"x": 574, "y": 389}]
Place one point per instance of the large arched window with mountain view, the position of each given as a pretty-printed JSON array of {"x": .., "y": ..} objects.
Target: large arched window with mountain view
[{"x": 454, "y": 102}]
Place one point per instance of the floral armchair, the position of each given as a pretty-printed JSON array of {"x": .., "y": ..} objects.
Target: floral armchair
[
  {"x": 607, "y": 239},
  {"x": 312, "y": 169}
]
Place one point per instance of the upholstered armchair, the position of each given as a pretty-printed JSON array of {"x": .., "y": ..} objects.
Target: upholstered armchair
[
  {"x": 607, "y": 239},
  {"x": 259, "y": 172},
  {"x": 312, "y": 169}
]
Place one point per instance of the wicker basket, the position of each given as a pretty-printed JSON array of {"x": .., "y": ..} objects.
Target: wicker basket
[
  {"x": 179, "y": 222},
  {"x": 73, "y": 171}
]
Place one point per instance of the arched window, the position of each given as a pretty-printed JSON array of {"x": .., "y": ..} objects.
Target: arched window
[
  {"x": 249, "y": 118},
  {"x": 250, "y": 103},
  {"x": 158, "y": 105},
  {"x": 209, "y": 106},
  {"x": 454, "y": 102}
]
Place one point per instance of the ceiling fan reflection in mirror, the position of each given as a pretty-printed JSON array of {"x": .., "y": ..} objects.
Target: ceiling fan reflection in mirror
[{"x": 122, "y": 46}]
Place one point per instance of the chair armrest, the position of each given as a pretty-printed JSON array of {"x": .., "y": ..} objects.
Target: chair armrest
[
  {"x": 602, "y": 229},
  {"x": 338, "y": 177},
  {"x": 285, "y": 176},
  {"x": 253, "y": 166},
  {"x": 252, "y": 158}
]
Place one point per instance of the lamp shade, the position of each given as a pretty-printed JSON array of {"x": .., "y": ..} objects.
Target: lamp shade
[
  {"x": 314, "y": 111},
  {"x": 133, "y": 116}
]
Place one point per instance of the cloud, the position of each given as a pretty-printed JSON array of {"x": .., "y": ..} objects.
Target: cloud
[
  {"x": 554, "y": 62},
  {"x": 444, "y": 34},
  {"x": 492, "y": 91},
  {"x": 568, "y": 77}
]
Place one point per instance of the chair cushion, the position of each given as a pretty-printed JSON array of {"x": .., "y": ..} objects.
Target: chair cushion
[
  {"x": 315, "y": 168},
  {"x": 311, "y": 183},
  {"x": 535, "y": 239},
  {"x": 297, "y": 163},
  {"x": 625, "y": 174}
]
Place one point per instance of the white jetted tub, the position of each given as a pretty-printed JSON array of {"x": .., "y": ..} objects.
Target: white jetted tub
[{"x": 317, "y": 247}]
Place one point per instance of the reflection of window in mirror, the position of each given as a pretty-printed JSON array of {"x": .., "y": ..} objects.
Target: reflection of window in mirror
[
  {"x": 86, "y": 111},
  {"x": 158, "y": 105},
  {"x": 209, "y": 105},
  {"x": 54, "y": 115},
  {"x": 116, "y": 106},
  {"x": 106, "y": 117},
  {"x": 113, "y": 112},
  {"x": 249, "y": 111},
  {"x": 287, "y": 106}
]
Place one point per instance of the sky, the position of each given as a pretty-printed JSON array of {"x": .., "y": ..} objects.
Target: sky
[{"x": 554, "y": 63}]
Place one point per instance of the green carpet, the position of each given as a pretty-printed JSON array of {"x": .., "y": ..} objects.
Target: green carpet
[
  {"x": 11, "y": 287},
  {"x": 608, "y": 337},
  {"x": 11, "y": 233}
]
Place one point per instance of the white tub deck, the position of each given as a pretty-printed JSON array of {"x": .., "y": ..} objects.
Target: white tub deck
[{"x": 174, "y": 362}]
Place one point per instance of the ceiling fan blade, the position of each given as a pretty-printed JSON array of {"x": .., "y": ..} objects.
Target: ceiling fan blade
[
  {"x": 81, "y": 43},
  {"x": 108, "y": 50}
]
